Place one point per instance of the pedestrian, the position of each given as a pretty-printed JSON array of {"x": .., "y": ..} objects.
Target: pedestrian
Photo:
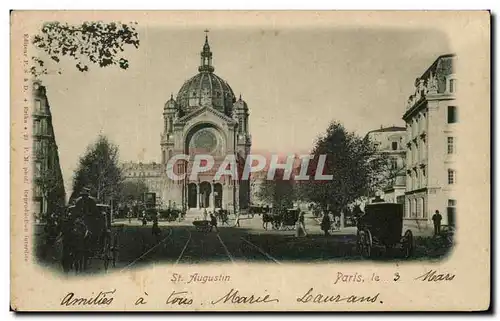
[
  {"x": 205, "y": 214},
  {"x": 326, "y": 224},
  {"x": 156, "y": 229},
  {"x": 237, "y": 222},
  {"x": 213, "y": 223},
  {"x": 144, "y": 219},
  {"x": 337, "y": 222},
  {"x": 436, "y": 218},
  {"x": 302, "y": 223}
]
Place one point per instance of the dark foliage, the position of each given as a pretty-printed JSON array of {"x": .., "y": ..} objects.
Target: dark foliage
[
  {"x": 99, "y": 170},
  {"x": 354, "y": 163},
  {"x": 93, "y": 42}
]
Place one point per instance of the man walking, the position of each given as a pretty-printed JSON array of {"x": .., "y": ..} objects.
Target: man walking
[
  {"x": 213, "y": 223},
  {"x": 326, "y": 224},
  {"x": 436, "y": 218},
  {"x": 302, "y": 223},
  {"x": 237, "y": 220}
]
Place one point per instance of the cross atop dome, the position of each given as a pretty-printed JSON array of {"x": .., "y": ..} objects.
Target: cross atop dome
[{"x": 206, "y": 56}]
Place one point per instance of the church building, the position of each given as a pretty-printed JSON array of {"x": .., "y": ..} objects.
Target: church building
[{"x": 204, "y": 118}]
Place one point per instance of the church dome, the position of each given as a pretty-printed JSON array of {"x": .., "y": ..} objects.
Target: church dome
[{"x": 206, "y": 88}]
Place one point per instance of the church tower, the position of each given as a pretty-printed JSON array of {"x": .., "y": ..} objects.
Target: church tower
[{"x": 167, "y": 139}]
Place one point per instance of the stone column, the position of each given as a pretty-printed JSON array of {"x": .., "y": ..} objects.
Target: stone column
[
  {"x": 198, "y": 197},
  {"x": 212, "y": 198}
]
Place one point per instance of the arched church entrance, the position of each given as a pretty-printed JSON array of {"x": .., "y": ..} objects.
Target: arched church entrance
[
  {"x": 205, "y": 192},
  {"x": 218, "y": 195},
  {"x": 192, "y": 195}
]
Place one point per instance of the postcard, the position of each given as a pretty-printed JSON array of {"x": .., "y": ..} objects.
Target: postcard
[{"x": 250, "y": 161}]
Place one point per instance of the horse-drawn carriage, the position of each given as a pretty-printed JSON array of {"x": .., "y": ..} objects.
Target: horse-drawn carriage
[
  {"x": 202, "y": 225},
  {"x": 382, "y": 226},
  {"x": 284, "y": 219},
  {"x": 171, "y": 214},
  {"x": 87, "y": 236},
  {"x": 222, "y": 216}
]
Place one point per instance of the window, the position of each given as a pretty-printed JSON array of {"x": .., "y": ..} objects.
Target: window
[
  {"x": 452, "y": 85},
  {"x": 394, "y": 163},
  {"x": 38, "y": 191},
  {"x": 424, "y": 210},
  {"x": 37, "y": 147},
  {"x": 38, "y": 105},
  {"x": 452, "y": 203},
  {"x": 452, "y": 114},
  {"x": 43, "y": 127},
  {"x": 38, "y": 169},
  {"x": 394, "y": 145},
  {"x": 452, "y": 179},
  {"x": 451, "y": 145},
  {"x": 36, "y": 129}
]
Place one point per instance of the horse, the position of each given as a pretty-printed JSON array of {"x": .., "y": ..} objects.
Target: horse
[
  {"x": 267, "y": 218},
  {"x": 75, "y": 238},
  {"x": 222, "y": 216}
]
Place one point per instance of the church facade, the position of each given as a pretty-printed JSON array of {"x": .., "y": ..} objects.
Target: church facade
[{"x": 204, "y": 118}]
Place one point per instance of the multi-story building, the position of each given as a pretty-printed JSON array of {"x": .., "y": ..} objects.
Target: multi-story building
[
  {"x": 147, "y": 173},
  {"x": 391, "y": 141},
  {"x": 48, "y": 186},
  {"x": 430, "y": 116}
]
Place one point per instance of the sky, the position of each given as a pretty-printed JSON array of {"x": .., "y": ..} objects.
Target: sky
[{"x": 295, "y": 82}]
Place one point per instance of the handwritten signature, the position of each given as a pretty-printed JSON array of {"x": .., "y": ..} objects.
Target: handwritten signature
[
  {"x": 313, "y": 297},
  {"x": 234, "y": 296}
]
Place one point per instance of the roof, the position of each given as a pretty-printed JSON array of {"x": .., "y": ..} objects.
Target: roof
[
  {"x": 433, "y": 66},
  {"x": 388, "y": 129}
]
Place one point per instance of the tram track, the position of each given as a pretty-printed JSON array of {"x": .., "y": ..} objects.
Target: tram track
[
  {"x": 225, "y": 249},
  {"x": 259, "y": 250},
  {"x": 184, "y": 248},
  {"x": 148, "y": 251}
]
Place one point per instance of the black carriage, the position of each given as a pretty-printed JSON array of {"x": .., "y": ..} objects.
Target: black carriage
[
  {"x": 254, "y": 209},
  {"x": 382, "y": 226},
  {"x": 171, "y": 214},
  {"x": 202, "y": 225},
  {"x": 281, "y": 219},
  {"x": 289, "y": 219}
]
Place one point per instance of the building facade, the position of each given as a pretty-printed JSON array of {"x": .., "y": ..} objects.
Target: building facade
[
  {"x": 391, "y": 141},
  {"x": 430, "y": 116},
  {"x": 147, "y": 173},
  {"x": 204, "y": 118},
  {"x": 48, "y": 185}
]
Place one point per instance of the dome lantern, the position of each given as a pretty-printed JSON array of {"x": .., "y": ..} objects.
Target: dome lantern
[{"x": 206, "y": 57}]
